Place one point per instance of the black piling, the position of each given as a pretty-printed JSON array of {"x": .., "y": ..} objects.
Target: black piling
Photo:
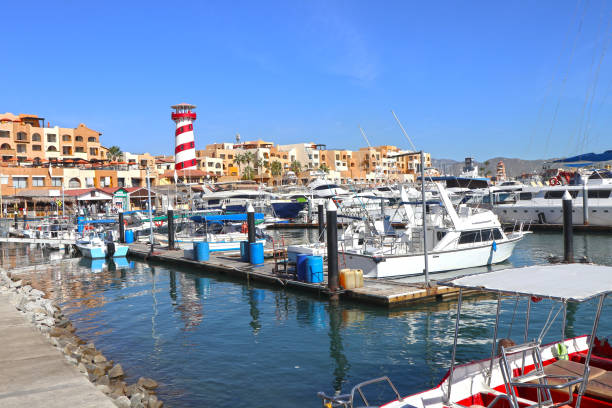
[
  {"x": 332, "y": 249},
  {"x": 16, "y": 219},
  {"x": 321, "y": 214},
  {"x": 251, "y": 223},
  {"x": 170, "y": 229},
  {"x": 121, "y": 228},
  {"x": 568, "y": 232},
  {"x": 25, "y": 219}
]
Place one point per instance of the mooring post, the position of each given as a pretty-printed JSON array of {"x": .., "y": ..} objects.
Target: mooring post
[
  {"x": 170, "y": 227},
  {"x": 251, "y": 223},
  {"x": 25, "y": 219},
  {"x": 321, "y": 214},
  {"x": 16, "y": 218},
  {"x": 332, "y": 248},
  {"x": 121, "y": 227},
  {"x": 568, "y": 233},
  {"x": 585, "y": 203}
]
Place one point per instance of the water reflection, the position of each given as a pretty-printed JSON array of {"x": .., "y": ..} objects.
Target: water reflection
[{"x": 336, "y": 348}]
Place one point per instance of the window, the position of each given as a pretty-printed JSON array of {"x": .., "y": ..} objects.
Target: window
[
  {"x": 22, "y": 136},
  {"x": 21, "y": 148},
  {"x": 20, "y": 182},
  {"x": 599, "y": 193},
  {"x": 497, "y": 234},
  {"x": 51, "y": 138},
  {"x": 78, "y": 139},
  {"x": 558, "y": 194},
  {"x": 4, "y": 180},
  {"x": 91, "y": 139},
  {"x": 67, "y": 150},
  {"x": 469, "y": 237},
  {"x": 56, "y": 181},
  {"x": 51, "y": 149},
  {"x": 38, "y": 181},
  {"x": 326, "y": 186},
  {"x": 525, "y": 196},
  {"x": 5, "y": 133},
  {"x": 93, "y": 151},
  {"x": 120, "y": 182},
  {"x": 89, "y": 182},
  {"x": 74, "y": 183},
  {"x": 486, "y": 235},
  {"x": 36, "y": 148},
  {"x": 36, "y": 137},
  {"x": 66, "y": 138},
  {"x": 79, "y": 149}
]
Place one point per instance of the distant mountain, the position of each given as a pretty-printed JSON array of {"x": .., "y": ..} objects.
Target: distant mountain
[{"x": 514, "y": 167}]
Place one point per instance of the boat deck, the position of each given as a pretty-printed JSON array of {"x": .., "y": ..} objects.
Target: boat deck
[{"x": 378, "y": 292}]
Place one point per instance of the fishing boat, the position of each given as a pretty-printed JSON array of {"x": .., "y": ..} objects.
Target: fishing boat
[
  {"x": 466, "y": 238},
  {"x": 527, "y": 373},
  {"x": 98, "y": 246}
]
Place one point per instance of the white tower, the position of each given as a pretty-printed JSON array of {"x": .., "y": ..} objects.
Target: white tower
[{"x": 184, "y": 151}]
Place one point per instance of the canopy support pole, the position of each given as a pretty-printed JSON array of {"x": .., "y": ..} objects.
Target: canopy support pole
[
  {"x": 526, "y": 332},
  {"x": 452, "y": 369},
  {"x": 585, "y": 376},
  {"x": 494, "y": 340}
]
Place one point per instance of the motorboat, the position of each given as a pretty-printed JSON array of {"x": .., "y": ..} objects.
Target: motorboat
[
  {"x": 466, "y": 238},
  {"x": 521, "y": 372},
  {"x": 97, "y": 246}
]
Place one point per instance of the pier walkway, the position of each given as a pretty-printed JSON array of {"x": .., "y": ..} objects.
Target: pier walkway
[
  {"x": 375, "y": 291},
  {"x": 35, "y": 374}
]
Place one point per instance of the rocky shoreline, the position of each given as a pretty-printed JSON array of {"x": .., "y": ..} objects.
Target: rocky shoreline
[{"x": 48, "y": 318}]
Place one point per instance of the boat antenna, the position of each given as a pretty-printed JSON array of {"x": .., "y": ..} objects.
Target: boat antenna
[
  {"x": 403, "y": 131},
  {"x": 364, "y": 136}
]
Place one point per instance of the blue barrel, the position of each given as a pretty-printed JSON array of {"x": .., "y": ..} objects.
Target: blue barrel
[
  {"x": 244, "y": 251},
  {"x": 314, "y": 269},
  {"x": 300, "y": 262},
  {"x": 202, "y": 251},
  {"x": 80, "y": 225},
  {"x": 129, "y": 236},
  {"x": 256, "y": 253}
]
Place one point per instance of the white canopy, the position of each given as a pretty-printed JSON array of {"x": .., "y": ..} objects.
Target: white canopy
[{"x": 576, "y": 282}]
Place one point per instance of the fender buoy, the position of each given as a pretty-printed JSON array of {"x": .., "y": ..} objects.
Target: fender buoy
[
  {"x": 158, "y": 223},
  {"x": 553, "y": 181},
  {"x": 27, "y": 226},
  {"x": 244, "y": 228},
  {"x": 125, "y": 222}
]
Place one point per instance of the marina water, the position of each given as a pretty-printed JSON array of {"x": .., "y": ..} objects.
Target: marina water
[{"x": 213, "y": 341}]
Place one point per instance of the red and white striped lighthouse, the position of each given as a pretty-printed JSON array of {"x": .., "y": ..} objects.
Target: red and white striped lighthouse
[{"x": 184, "y": 151}]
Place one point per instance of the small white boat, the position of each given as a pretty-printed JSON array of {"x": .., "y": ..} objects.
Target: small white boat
[{"x": 95, "y": 247}]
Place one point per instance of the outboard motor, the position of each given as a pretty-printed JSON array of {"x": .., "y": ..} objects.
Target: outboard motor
[{"x": 110, "y": 248}]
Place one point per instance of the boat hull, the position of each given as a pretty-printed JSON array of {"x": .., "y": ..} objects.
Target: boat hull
[
  {"x": 395, "y": 266},
  {"x": 92, "y": 252}
]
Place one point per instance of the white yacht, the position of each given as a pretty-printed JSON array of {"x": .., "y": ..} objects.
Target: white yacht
[
  {"x": 466, "y": 238},
  {"x": 543, "y": 205}
]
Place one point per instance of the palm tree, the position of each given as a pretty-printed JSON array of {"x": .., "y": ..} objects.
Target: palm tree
[
  {"x": 114, "y": 153},
  {"x": 247, "y": 174},
  {"x": 323, "y": 167},
  {"x": 239, "y": 159},
  {"x": 259, "y": 163},
  {"x": 296, "y": 167},
  {"x": 276, "y": 168}
]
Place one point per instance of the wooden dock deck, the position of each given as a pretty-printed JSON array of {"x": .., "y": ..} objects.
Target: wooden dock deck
[{"x": 375, "y": 291}]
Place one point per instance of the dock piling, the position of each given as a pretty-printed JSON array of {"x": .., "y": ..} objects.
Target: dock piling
[
  {"x": 332, "y": 248},
  {"x": 568, "y": 233},
  {"x": 121, "y": 228},
  {"x": 170, "y": 228},
  {"x": 321, "y": 214},
  {"x": 251, "y": 223},
  {"x": 16, "y": 218},
  {"x": 585, "y": 203}
]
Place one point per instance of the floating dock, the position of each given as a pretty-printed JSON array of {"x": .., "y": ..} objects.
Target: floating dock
[{"x": 375, "y": 291}]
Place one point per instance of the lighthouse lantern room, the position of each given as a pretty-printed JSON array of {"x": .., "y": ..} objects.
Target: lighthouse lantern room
[{"x": 184, "y": 151}]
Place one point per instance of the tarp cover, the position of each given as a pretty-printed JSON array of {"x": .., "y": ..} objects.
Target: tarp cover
[
  {"x": 590, "y": 157},
  {"x": 225, "y": 217},
  {"x": 577, "y": 282}
]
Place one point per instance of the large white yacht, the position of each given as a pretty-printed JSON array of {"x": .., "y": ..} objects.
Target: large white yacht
[{"x": 543, "y": 205}]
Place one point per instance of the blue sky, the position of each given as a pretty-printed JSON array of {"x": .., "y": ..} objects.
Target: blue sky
[{"x": 480, "y": 78}]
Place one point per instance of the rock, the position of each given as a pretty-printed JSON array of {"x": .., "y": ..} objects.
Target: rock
[
  {"x": 37, "y": 293},
  {"x": 122, "y": 402},
  {"x": 104, "y": 380},
  {"x": 99, "y": 358},
  {"x": 26, "y": 289},
  {"x": 116, "y": 371},
  {"x": 104, "y": 388},
  {"x": 21, "y": 303},
  {"x": 136, "y": 401},
  {"x": 134, "y": 389},
  {"x": 57, "y": 332},
  {"x": 82, "y": 368},
  {"x": 147, "y": 383},
  {"x": 16, "y": 284},
  {"x": 156, "y": 404},
  {"x": 63, "y": 323},
  {"x": 47, "y": 321},
  {"x": 95, "y": 370},
  {"x": 119, "y": 388}
]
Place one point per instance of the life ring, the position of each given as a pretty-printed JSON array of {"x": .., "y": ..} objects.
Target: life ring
[
  {"x": 244, "y": 228},
  {"x": 88, "y": 227},
  {"x": 125, "y": 223},
  {"x": 553, "y": 181},
  {"x": 158, "y": 223}
]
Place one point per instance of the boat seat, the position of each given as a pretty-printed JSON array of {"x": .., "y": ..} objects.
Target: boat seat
[
  {"x": 568, "y": 367},
  {"x": 600, "y": 386}
]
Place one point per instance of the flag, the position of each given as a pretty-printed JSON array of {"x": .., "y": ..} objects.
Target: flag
[
  {"x": 494, "y": 246},
  {"x": 50, "y": 171},
  {"x": 175, "y": 177}
]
